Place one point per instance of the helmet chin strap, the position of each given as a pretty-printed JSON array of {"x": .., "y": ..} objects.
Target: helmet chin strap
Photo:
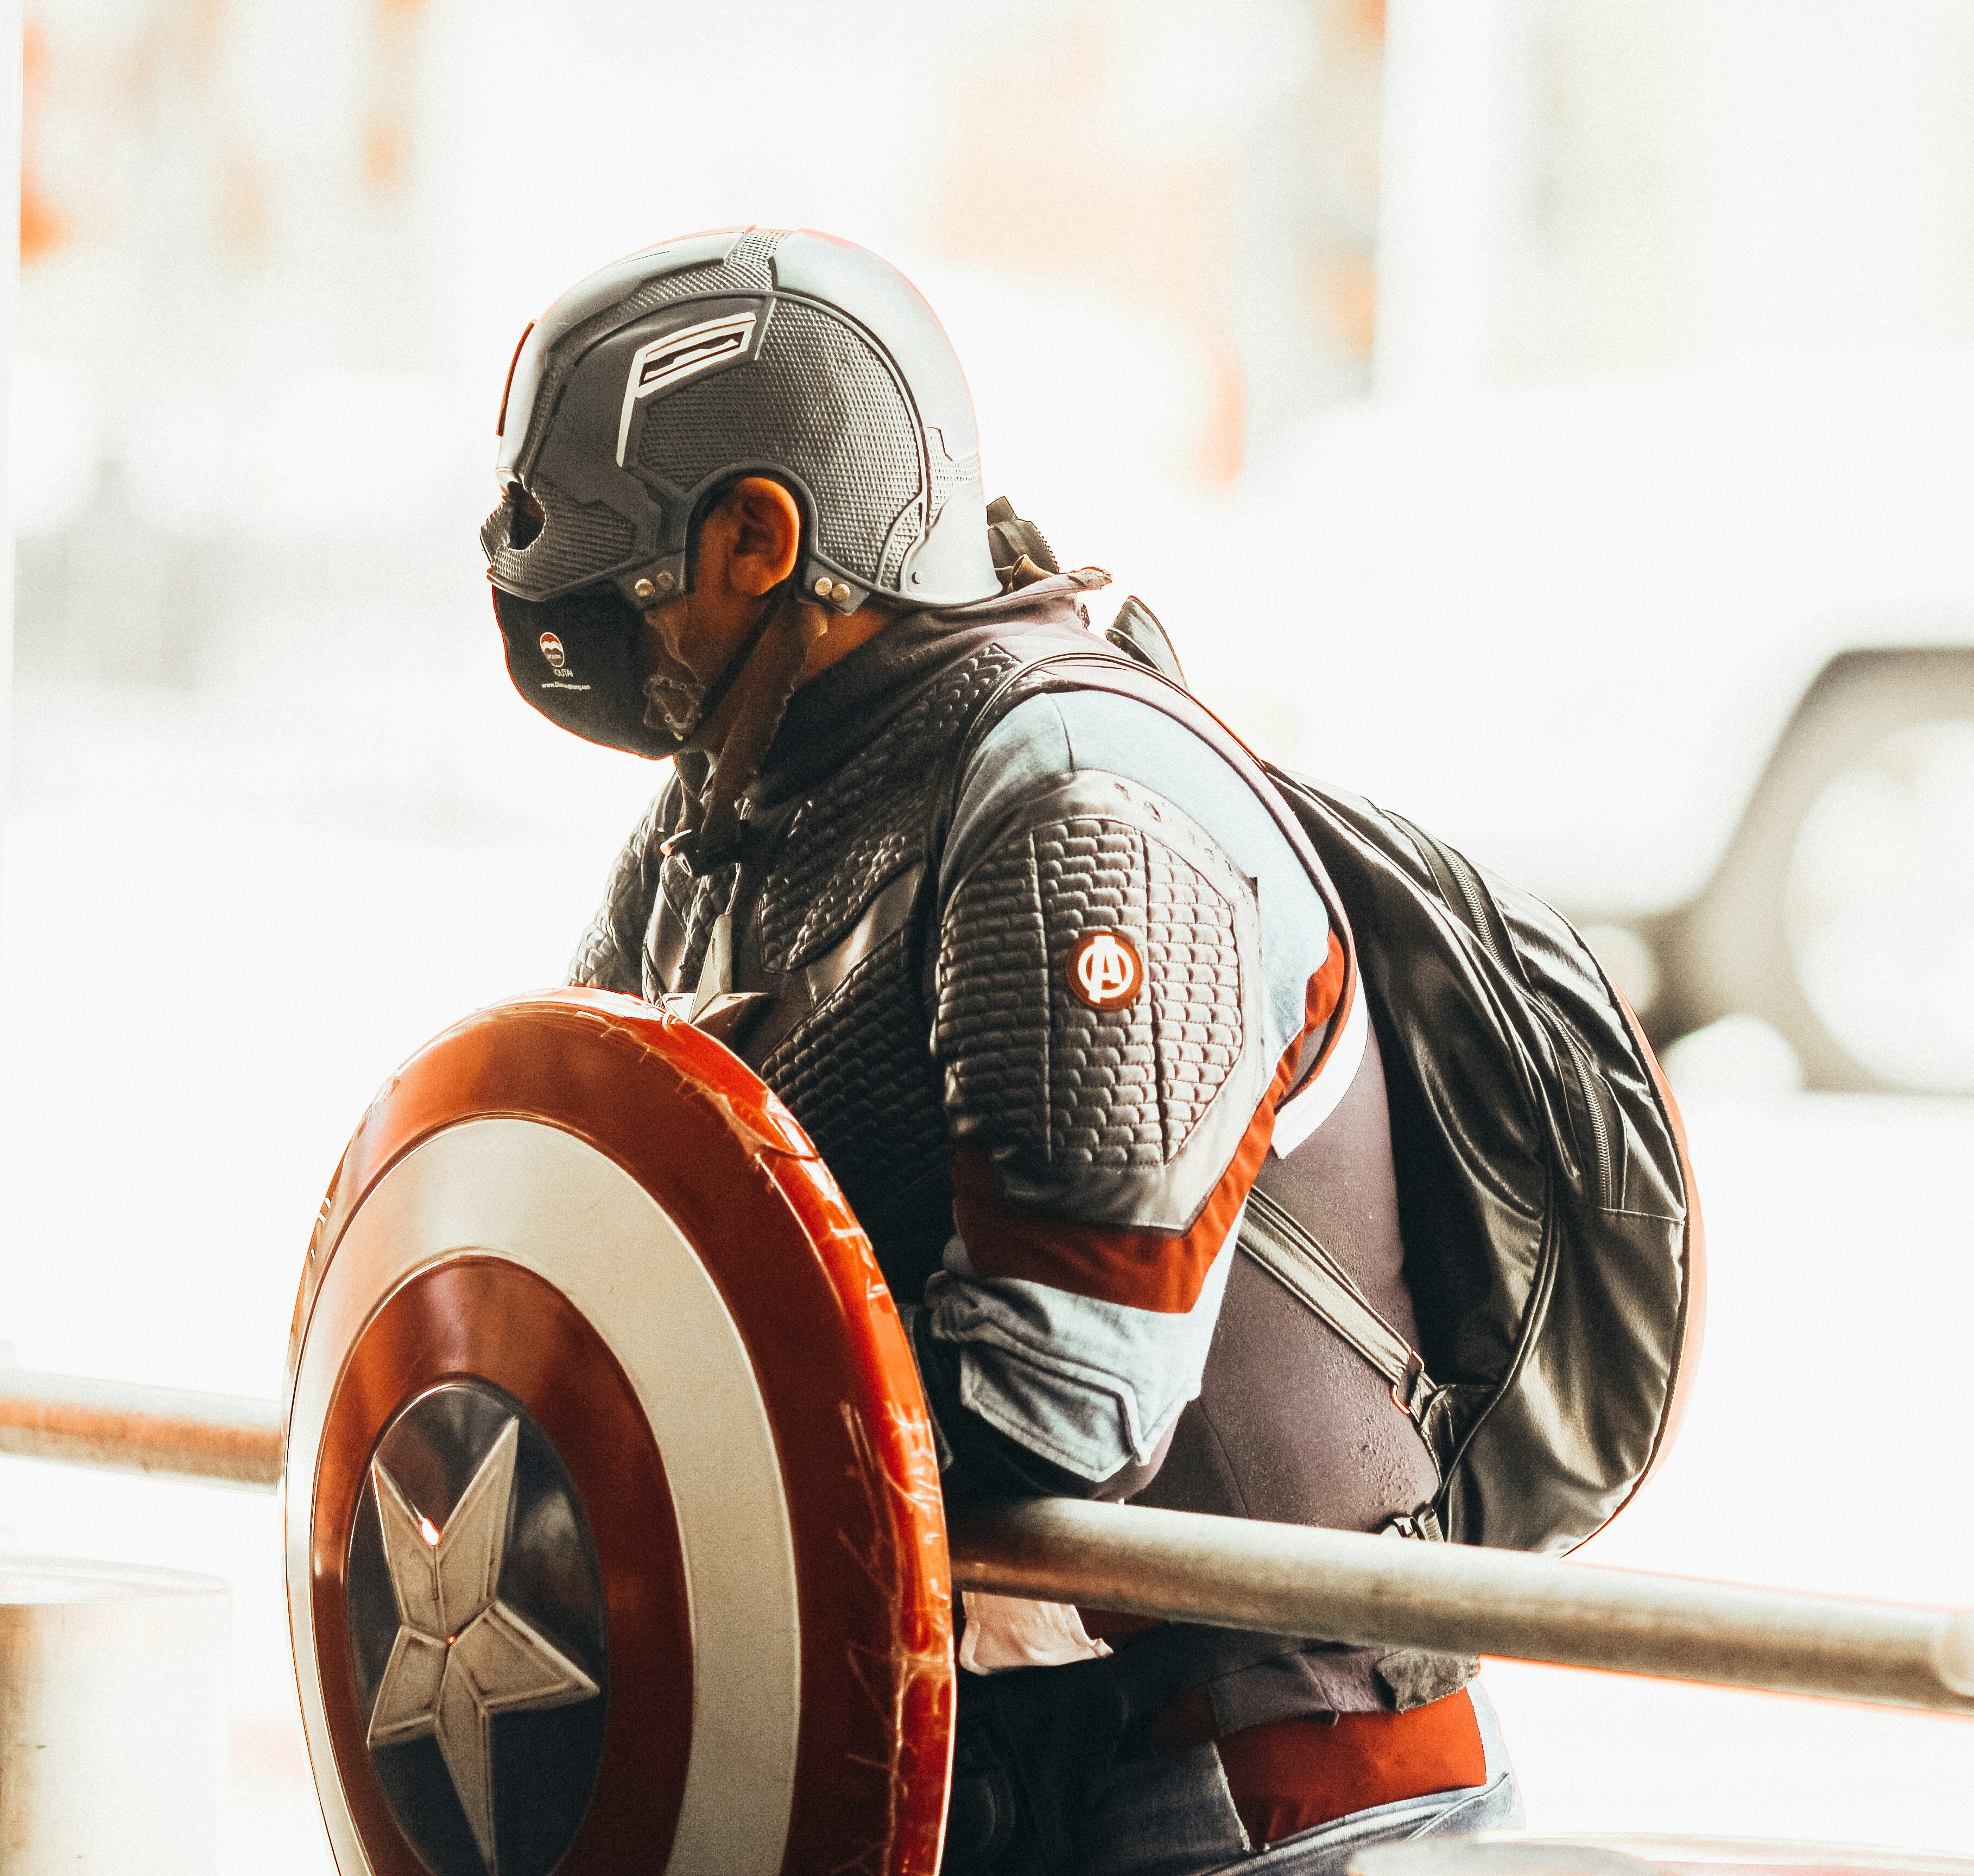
[
  {"x": 710, "y": 696},
  {"x": 782, "y": 637}
]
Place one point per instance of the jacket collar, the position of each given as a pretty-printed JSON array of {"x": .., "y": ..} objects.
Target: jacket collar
[{"x": 839, "y": 712}]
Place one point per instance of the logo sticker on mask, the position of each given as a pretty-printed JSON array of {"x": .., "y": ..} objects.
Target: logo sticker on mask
[
  {"x": 564, "y": 678},
  {"x": 1104, "y": 970}
]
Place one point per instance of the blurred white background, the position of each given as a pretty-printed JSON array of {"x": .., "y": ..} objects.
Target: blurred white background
[{"x": 1552, "y": 418}]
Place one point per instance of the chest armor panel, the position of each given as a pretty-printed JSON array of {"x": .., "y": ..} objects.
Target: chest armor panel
[{"x": 830, "y": 908}]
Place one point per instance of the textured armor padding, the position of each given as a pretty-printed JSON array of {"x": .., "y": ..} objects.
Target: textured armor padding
[
  {"x": 798, "y": 926},
  {"x": 857, "y": 1072},
  {"x": 815, "y": 380},
  {"x": 694, "y": 904},
  {"x": 1192, "y": 967},
  {"x": 576, "y": 538},
  {"x": 841, "y": 846},
  {"x": 1123, "y": 1088},
  {"x": 993, "y": 978},
  {"x": 871, "y": 821},
  {"x": 611, "y": 954}
]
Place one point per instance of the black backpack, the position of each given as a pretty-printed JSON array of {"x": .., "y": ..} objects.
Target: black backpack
[
  {"x": 1552, "y": 1244},
  {"x": 1552, "y": 1248}
]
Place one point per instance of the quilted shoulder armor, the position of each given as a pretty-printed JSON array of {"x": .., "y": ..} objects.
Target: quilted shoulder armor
[{"x": 1098, "y": 1015}]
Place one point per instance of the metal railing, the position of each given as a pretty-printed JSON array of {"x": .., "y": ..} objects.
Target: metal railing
[
  {"x": 139, "y": 1429},
  {"x": 1289, "y": 1580},
  {"x": 1233, "y": 1573}
]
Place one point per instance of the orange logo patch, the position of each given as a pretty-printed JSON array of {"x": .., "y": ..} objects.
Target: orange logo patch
[{"x": 1105, "y": 970}]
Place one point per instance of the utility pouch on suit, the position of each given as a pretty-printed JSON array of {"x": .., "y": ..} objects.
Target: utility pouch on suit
[{"x": 1553, "y": 1250}]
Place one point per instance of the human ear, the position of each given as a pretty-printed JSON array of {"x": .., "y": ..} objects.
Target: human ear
[{"x": 767, "y": 535}]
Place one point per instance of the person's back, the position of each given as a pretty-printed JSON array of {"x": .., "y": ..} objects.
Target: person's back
[{"x": 1038, "y": 970}]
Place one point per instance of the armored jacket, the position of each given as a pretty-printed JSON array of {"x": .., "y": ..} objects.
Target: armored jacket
[{"x": 1051, "y": 992}]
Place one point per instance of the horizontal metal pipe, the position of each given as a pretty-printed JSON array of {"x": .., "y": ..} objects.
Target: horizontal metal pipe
[
  {"x": 1288, "y": 1579},
  {"x": 1232, "y": 1572},
  {"x": 139, "y": 1429}
]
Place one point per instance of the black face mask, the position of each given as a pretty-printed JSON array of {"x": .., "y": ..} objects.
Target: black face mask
[{"x": 576, "y": 660}]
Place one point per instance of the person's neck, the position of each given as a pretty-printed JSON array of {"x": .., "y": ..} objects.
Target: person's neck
[
  {"x": 842, "y": 634},
  {"x": 832, "y": 637}
]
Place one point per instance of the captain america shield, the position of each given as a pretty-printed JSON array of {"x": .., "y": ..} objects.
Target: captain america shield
[{"x": 614, "y": 1537}]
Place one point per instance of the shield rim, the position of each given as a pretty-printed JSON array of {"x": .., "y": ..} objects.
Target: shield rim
[{"x": 721, "y": 1156}]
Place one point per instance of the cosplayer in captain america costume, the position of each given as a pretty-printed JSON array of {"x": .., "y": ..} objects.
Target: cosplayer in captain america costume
[{"x": 1028, "y": 953}]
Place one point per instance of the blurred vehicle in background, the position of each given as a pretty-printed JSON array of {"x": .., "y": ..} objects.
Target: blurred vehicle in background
[
  {"x": 1646, "y": 570},
  {"x": 1694, "y": 659}
]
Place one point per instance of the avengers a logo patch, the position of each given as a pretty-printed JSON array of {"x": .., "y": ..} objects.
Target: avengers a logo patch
[{"x": 1104, "y": 970}]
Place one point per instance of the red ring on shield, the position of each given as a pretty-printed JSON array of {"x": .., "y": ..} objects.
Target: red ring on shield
[{"x": 581, "y": 1074}]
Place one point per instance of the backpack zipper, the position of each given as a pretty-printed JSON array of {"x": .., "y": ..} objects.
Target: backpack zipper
[
  {"x": 1590, "y": 1086},
  {"x": 1482, "y": 913}
]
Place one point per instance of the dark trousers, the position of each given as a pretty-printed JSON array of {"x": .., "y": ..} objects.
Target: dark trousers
[{"x": 1055, "y": 1773}]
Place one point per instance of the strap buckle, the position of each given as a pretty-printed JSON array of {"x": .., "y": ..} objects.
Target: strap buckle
[
  {"x": 1423, "y": 1524},
  {"x": 1411, "y": 1391}
]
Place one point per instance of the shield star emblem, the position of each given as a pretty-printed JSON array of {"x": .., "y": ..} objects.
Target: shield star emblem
[
  {"x": 462, "y": 1653},
  {"x": 480, "y": 1602}
]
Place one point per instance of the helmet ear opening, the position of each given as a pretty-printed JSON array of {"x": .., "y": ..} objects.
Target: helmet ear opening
[
  {"x": 704, "y": 507},
  {"x": 695, "y": 522}
]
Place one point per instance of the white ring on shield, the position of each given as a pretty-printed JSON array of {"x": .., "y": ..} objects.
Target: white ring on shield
[{"x": 514, "y": 1190}]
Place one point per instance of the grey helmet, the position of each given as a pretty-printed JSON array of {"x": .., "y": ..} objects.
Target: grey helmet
[{"x": 654, "y": 383}]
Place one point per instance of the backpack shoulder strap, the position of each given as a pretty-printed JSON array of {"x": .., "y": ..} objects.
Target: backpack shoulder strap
[{"x": 1274, "y": 1238}]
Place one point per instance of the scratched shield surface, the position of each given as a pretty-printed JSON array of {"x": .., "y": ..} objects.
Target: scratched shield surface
[{"x": 613, "y": 1529}]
